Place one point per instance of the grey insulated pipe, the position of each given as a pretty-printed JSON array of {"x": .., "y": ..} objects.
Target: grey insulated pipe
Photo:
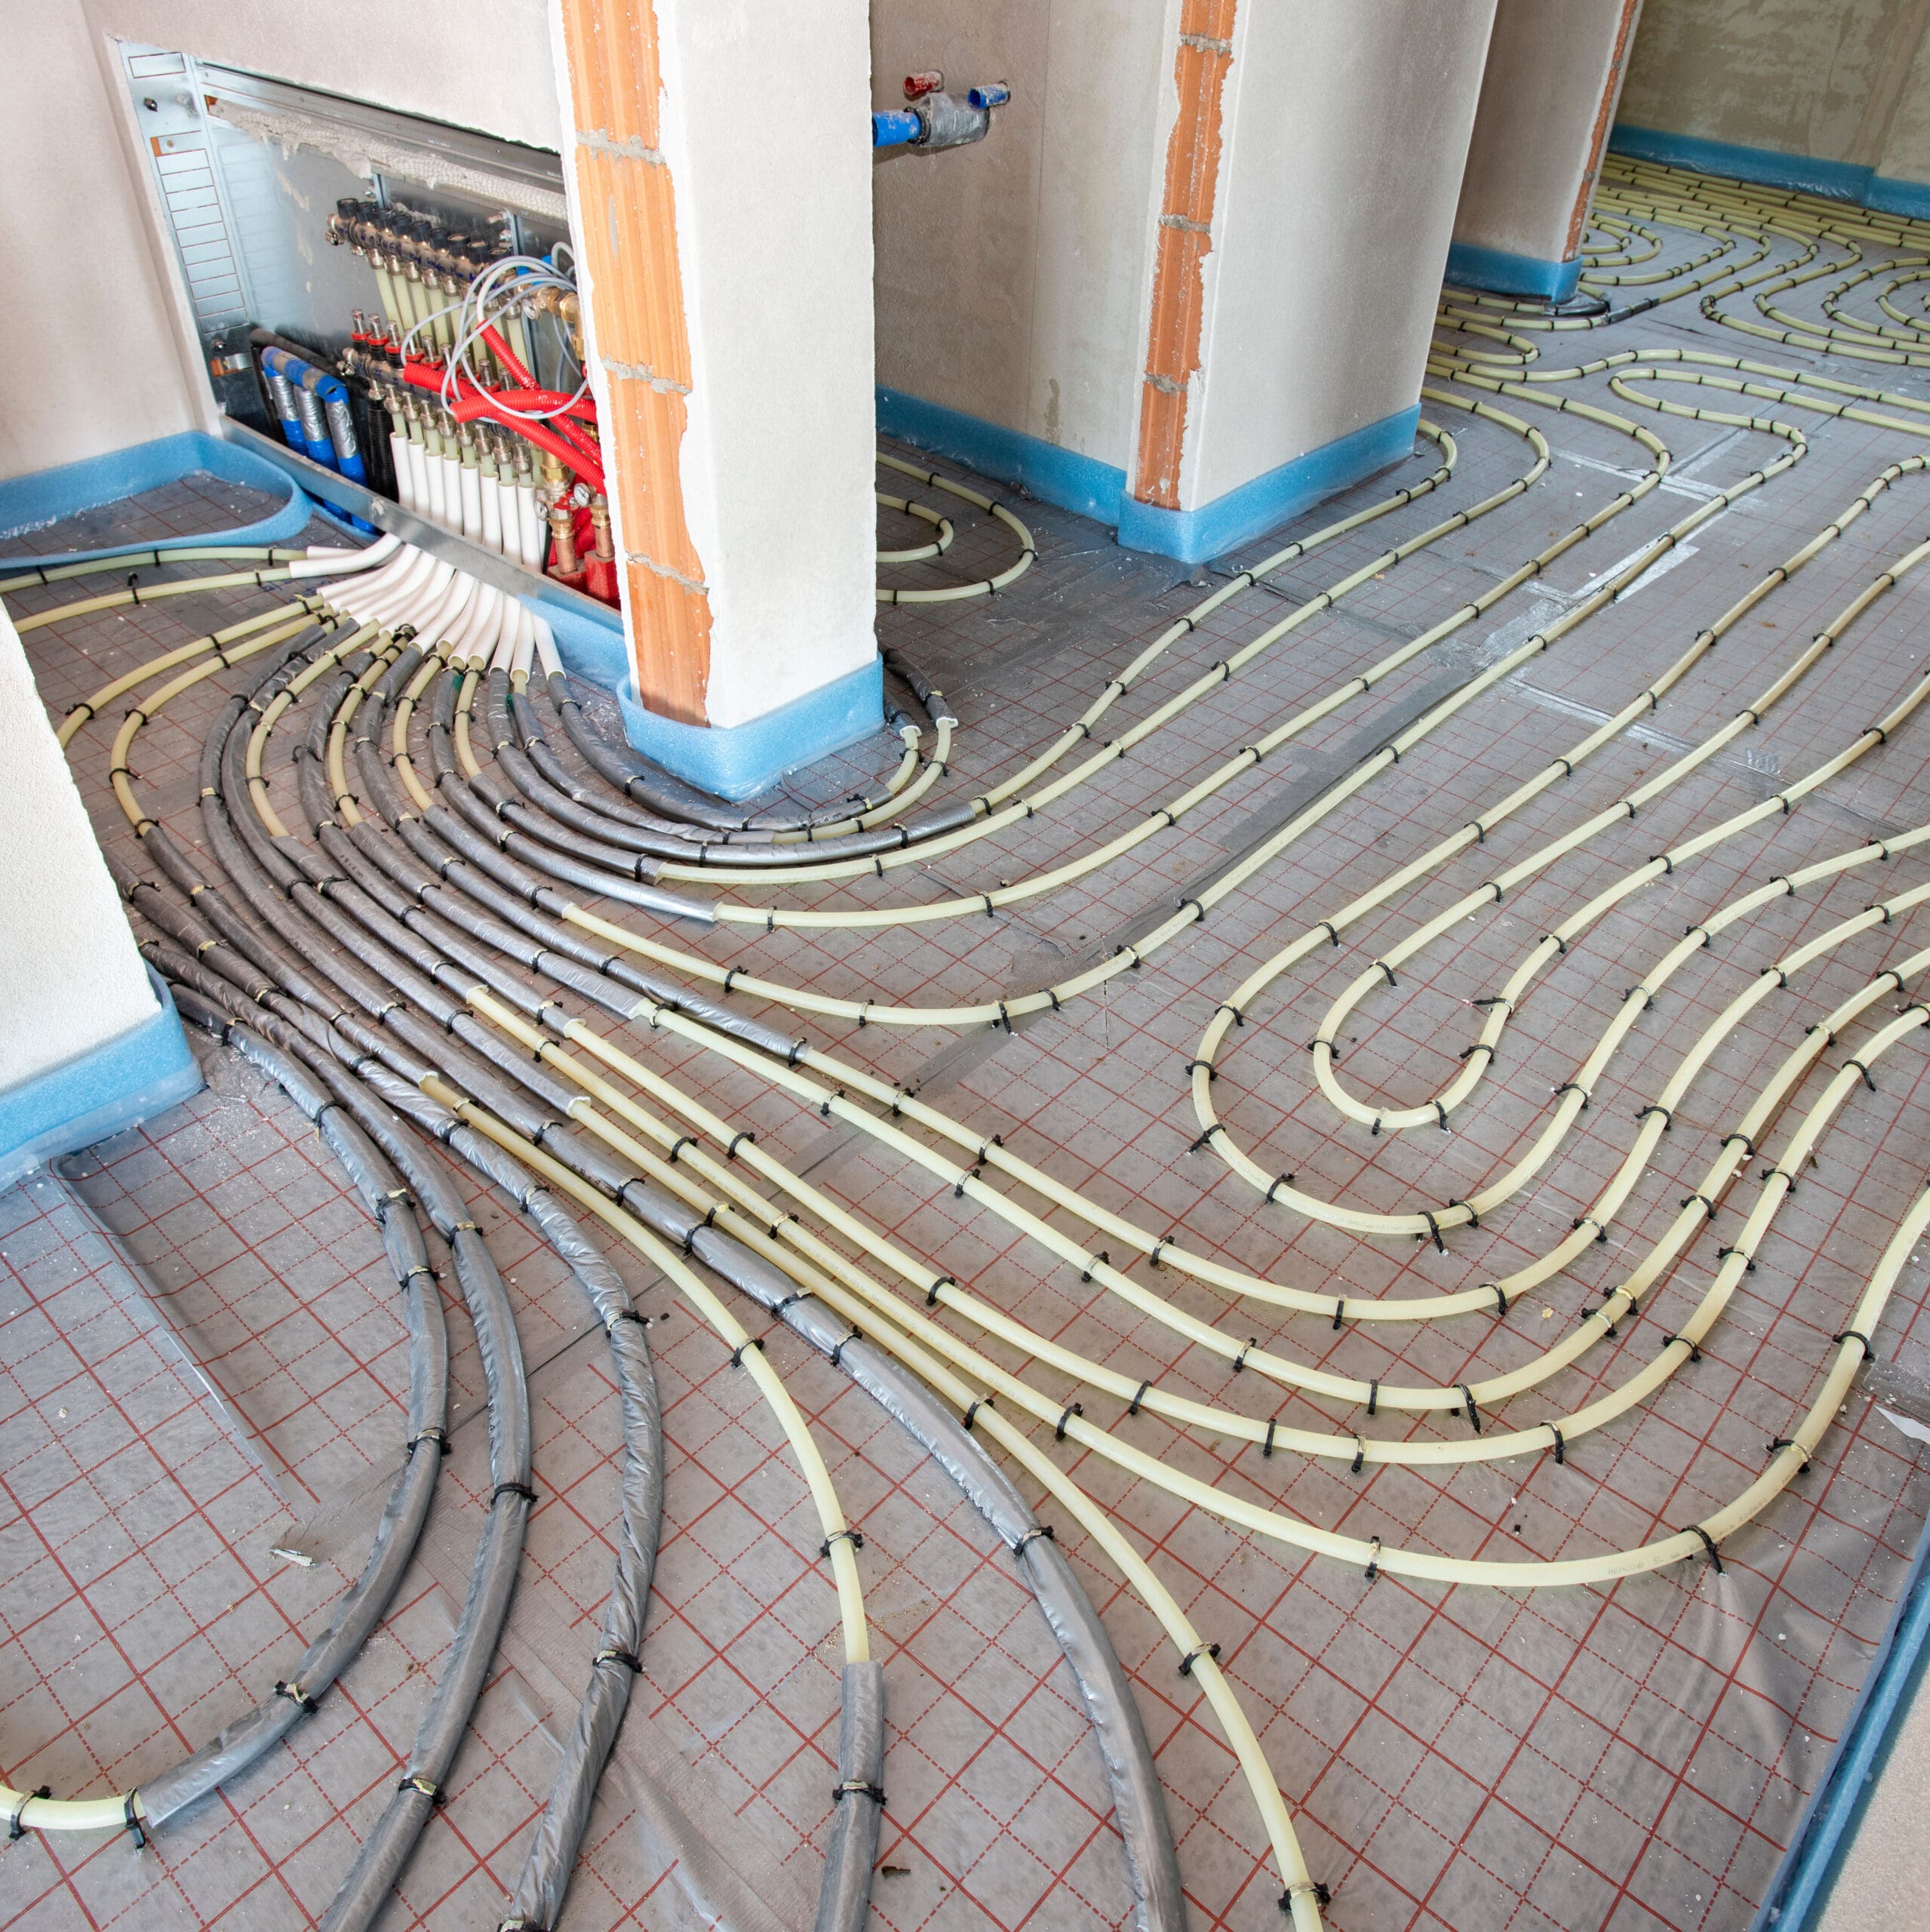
[
  {"x": 1139, "y": 1807},
  {"x": 376, "y": 938}
]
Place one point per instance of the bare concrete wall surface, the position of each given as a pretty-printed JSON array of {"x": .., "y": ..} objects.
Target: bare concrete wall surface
[
  {"x": 70, "y": 978},
  {"x": 1345, "y": 131},
  {"x": 1885, "y": 1877},
  {"x": 93, "y": 363},
  {"x": 1807, "y": 77},
  {"x": 1905, "y": 155},
  {"x": 1548, "y": 95},
  {"x": 1010, "y": 274},
  {"x": 777, "y": 462}
]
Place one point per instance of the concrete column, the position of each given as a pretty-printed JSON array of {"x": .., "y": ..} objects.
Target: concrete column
[
  {"x": 719, "y": 163},
  {"x": 1311, "y": 154},
  {"x": 1548, "y": 98},
  {"x": 87, "y": 1048}
]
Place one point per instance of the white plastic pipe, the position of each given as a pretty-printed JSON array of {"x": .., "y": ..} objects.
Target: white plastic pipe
[
  {"x": 435, "y": 492},
  {"x": 324, "y": 561},
  {"x": 468, "y": 484},
  {"x": 532, "y": 523},
  {"x": 405, "y": 478},
  {"x": 452, "y": 491},
  {"x": 418, "y": 466},
  {"x": 491, "y": 495}
]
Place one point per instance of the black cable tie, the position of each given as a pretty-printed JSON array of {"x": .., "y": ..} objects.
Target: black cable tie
[
  {"x": 1323, "y": 1896},
  {"x": 503, "y": 1489},
  {"x": 1072, "y": 1409},
  {"x": 628, "y": 1660},
  {"x": 1882, "y": 736},
  {"x": 1133, "y": 1407},
  {"x": 1561, "y": 1446},
  {"x": 738, "y": 1353},
  {"x": 1217, "y": 1128},
  {"x": 1749, "y": 1146},
  {"x": 1360, "y": 1453},
  {"x": 837, "y": 1353},
  {"x": 1749, "y": 1263},
  {"x": 990, "y": 912},
  {"x": 798, "y": 1050},
  {"x": 1373, "y": 1396},
  {"x": 17, "y": 1830},
  {"x": 736, "y": 1140},
  {"x": 1384, "y": 968},
  {"x": 1656, "y": 1107},
  {"x": 856, "y": 1538},
  {"x": 1779, "y": 1443},
  {"x": 1227, "y": 1006},
  {"x": 1695, "y": 1353},
  {"x": 1708, "y": 1205},
  {"x": 1278, "y": 1182},
  {"x": 426, "y": 1787},
  {"x": 678, "y": 1146},
  {"x": 1474, "y": 1413},
  {"x": 971, "y": 1414},
  {"x": 1856, "y": 1335},
  {"x": 1479, "y": 1046},
  {"x": 1340, "y": 1311},
  {"x": 1239, "y": 1360},
  {"x": 1197, "y": 908},
  {"x": 1864, "y": 1071},
  {"x": 1708, "y": 1543},
  {"x": 1093, "y": 1262},
  {"x": 1032, "y": 1535},
  {"x": 1374, "y": 1561},
  {"x": 1193, "y": 1656},
  {"x": 439, "y": 1437},
  {"x": 1441, "y": 1110},
  {"x": 931, "y": 1294},
  {"x": 1703, "y": 930},
  {"x": 131, "y": 1817},
  {"x": 1194, "y": 1065},
  {"x": 297, "y": 1695},
  {"x": 1327, "y": 926},
  {"x": 1433, "y": 1231},
  {"x": 1267, "y": 1448},
  {"x": 1769, "y": 1173},
  {"x": 1573, "y": 1086}
]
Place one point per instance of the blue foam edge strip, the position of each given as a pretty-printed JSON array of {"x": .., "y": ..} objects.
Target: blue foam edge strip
[
  {"x": 1837, "y": 180},
  {"x": 729, "y": 761},
  {"x": 737, "y": 761},
  {"x": 1089, "y": 488},
  {"x": 1062, "y": 477},
  {"x": 29, "y": 502},
  {"x": 1828, "y": 1830},
  {"x": 1470, "y": 266},
  {"x": 98, "y": 1094},
  {"x": 1193, "y": 536}
]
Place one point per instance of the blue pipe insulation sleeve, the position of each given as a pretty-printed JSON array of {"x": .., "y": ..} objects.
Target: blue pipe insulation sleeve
[
  {"x": 989, "y": 94},
  {"x": 281, "y": 393},
  {"x": 312, "y": 426},
  {"x": 323, "y": 427},
  {"x": 894, "y": 128}
]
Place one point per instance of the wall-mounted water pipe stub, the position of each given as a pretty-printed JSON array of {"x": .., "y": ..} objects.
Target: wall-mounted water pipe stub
[{"x": 937, "y": 119}]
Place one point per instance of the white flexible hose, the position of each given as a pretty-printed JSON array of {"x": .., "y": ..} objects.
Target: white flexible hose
[{"x": 490, "y": 495}]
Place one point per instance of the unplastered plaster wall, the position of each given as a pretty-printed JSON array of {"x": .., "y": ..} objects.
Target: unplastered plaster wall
[
  {"x": 1344, "y": 132},
  {"x": 1818, "y": 77},
  {"x": 92, "y": 363},
  {"x": 775, "y": 249},
  {"x": 1548, "y": 95},
  {"x": 1906, "y": 154},
  {"x": 1011, "y": 275},
  {"x": 70, "y": 978}
]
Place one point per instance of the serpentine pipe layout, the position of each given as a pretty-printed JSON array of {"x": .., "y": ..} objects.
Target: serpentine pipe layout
[{"x": 428, "y": 938}]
